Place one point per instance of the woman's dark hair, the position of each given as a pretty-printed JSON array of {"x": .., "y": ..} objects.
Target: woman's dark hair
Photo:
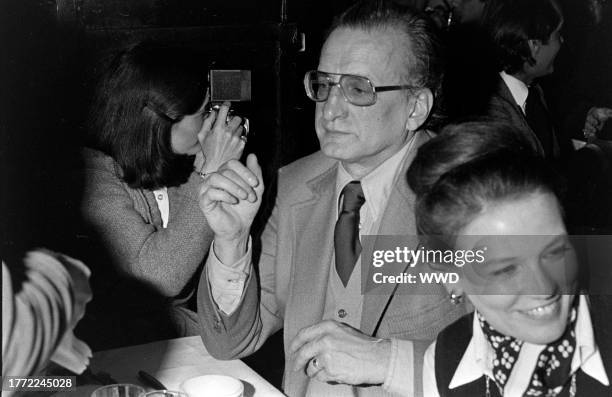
[
  {"x": 514, "y": 23},
  {"x": 424, "y": 64},
  {"x": 145, "y": 89},
  {"x": 468, "y": 166}
]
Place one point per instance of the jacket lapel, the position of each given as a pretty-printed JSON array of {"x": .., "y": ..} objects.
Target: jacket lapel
[
  {"x": 520, "y": 119},
  {"x": 314, "y": 221},
  {"x": 397, "y": 220}
]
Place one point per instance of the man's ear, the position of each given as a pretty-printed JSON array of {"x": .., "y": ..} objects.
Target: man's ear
[
  {"x": 534, "y": 47},
  {"x": 421, "y": 103}
]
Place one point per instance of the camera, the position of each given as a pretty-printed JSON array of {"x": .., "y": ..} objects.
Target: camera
[{"x": 232, "y": 86}]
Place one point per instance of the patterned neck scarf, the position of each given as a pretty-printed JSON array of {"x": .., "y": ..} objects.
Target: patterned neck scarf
[{"x": 553, "y": 368}]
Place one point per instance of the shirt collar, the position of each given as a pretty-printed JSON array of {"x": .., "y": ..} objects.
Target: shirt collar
[
  {"x": 477, "y": 359},
  {"x": 518, "y": 89},
  {"x": 378, "y": 183},
  {"x": 588, "y": 357}
]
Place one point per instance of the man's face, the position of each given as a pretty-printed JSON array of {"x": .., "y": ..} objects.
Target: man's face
[
  {"x": 364, "y": 135},
  {"x": 467, "y": 10},
  {"x": 546, "y": 54}
]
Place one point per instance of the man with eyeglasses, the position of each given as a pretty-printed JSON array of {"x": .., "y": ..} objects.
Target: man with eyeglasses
[{"x": 374, "y": 88}]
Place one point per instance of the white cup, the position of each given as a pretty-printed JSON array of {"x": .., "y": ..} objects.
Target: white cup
[{"x": 213, "y": 386}]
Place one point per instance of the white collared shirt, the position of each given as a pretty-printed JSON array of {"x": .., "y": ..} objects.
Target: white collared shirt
[
  {"x": 518, "y": 89},
  {"x": 478, "y": 359},
  {"x": 163, "y": 203},
  {"x": 376, "y": 187}
]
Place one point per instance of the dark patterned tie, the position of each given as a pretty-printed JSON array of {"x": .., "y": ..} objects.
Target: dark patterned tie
[{"x": 346, "y": 234}]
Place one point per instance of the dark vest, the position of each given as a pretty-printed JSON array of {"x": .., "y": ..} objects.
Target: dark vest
[{"x": 453, "y": 341}]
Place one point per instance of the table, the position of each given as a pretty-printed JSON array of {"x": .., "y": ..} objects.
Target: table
[{"x": 175, "y": 360}]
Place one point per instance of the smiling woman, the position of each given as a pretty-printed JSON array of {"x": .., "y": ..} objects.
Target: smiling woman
[
  {"x": 151, "y": 142},
  {"x": 479, "y": 187}
]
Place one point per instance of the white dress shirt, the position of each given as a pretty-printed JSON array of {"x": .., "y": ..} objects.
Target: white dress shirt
[
  {"x": 163, "y": 203},
  {"x": 518, "y": 89},
  {"x": 478, "y": 359}
]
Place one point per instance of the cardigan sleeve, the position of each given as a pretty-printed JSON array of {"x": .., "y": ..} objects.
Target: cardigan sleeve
[
  {"x": 165, "y": 258},
  {"x": 39, "y": 309}
]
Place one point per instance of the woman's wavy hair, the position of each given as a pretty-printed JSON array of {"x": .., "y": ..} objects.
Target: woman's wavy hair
[
  {"x": 514, "y": 22},
  {"x": 145, "y": 89},
  {"x": 470, "y": 166}
]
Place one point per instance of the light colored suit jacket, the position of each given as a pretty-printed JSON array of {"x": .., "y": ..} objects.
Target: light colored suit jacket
[{"x": 293, "y": 270}]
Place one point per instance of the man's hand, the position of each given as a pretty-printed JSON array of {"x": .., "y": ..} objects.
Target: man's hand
[
  {"x": 335, "y": 352},
  {"x": 229, "y": 199},
  {"x": 595, "y": 120}
]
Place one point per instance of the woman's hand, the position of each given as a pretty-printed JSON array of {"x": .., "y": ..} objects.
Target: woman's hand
[{"x": 220, "y": 140}]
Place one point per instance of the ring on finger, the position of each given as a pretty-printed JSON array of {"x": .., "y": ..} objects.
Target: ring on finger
[{"x": 245, "y": 129}]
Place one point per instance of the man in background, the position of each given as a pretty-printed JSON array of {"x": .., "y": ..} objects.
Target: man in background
[{"x": 526, "y": 36}]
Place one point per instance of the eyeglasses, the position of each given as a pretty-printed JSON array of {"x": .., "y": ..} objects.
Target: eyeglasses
[{"x": 357, "y": 90}]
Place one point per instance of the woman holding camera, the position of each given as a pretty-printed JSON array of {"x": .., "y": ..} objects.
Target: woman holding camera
[
  {"x": 479, "y": 187},
  {"x": 154, "y": 141}
]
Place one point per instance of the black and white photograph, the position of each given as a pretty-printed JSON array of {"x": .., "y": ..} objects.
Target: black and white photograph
[{"x": 306, "y": 198}]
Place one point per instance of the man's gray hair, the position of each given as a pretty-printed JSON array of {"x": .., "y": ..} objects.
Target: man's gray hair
[{"x": 425, "y": 68}]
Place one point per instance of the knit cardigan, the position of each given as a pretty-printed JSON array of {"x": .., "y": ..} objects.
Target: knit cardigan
[{"x": 129, "y": 227}]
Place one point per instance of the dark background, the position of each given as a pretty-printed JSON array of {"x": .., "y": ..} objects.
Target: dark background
[{"x": 52, "y": 52}]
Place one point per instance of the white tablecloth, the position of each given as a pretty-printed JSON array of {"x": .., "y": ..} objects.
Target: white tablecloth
[{"x": 175, "y": 360}]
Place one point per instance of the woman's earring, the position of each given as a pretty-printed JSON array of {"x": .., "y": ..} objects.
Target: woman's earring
[{"x": 456, "y": 299}]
